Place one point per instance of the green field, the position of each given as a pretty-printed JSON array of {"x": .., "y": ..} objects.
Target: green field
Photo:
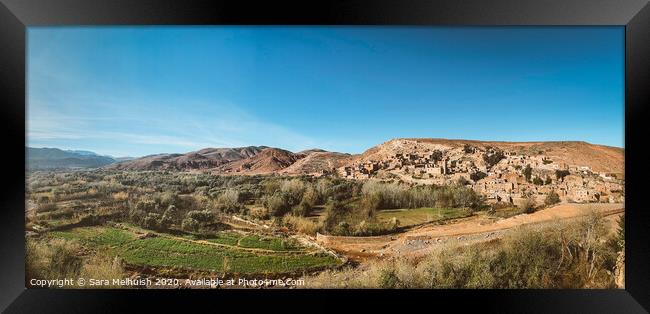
[
  {"x": 164, "y": 251},
  {"x": 416, "y": 216}
]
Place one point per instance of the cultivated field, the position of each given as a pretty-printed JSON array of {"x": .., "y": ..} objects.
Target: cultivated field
[{"x": 225, "y": 252}]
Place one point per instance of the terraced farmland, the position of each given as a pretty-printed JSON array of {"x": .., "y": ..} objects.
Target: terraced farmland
[{"x": 249, "y": 254}]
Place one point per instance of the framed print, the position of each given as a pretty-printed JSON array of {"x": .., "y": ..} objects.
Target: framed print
[{"x": 286, "y": 154}]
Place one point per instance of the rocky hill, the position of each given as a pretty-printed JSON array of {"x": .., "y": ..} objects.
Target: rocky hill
[
  {"x": 467, "y": 154},
  {"x": 206, "y": 158},
  {"x": 269, "y": 160},
  {"x": 501, "y": 171},
  {"x": 318, "y": 162},
  {"x": 599, "y": 158}
]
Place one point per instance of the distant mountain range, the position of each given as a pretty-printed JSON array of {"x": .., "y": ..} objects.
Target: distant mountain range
[{"x": 54, "y": 158}]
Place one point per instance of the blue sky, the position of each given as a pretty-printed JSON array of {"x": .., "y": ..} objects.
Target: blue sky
[{"x": 133, "y": 91}]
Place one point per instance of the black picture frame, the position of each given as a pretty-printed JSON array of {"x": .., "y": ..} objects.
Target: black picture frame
[{"x": 16, "y": 15}]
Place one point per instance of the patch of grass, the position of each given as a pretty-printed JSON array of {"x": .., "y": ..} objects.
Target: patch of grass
[
  {"x": 416, "y": 216},
  {"x": 227, "y": 238},
  {"x": 506, "y": 212}
]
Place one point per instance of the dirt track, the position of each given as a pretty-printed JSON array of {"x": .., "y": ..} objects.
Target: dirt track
[{"x": 421, "y": 240}]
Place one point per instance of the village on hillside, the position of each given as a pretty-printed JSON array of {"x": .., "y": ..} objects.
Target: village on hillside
[{"x": 501, "y": 176}]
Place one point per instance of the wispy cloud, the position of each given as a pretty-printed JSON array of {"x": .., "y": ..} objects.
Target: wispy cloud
[{"x": 171, "y": 127}]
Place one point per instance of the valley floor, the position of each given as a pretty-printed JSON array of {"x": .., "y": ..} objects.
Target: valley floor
[{"x": 422, "y": 240}]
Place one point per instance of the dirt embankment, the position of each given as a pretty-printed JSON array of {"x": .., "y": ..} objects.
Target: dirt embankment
[{"x": 420, "y": 240}]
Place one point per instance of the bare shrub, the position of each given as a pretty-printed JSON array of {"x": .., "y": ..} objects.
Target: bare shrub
[
  {"x": 121, "y": 196},
  {"x": 53, "y": 259},
  {"x": 528, "y": 205},
  {"x": 103, "y": 268},
  {"x": 300, "y": 224},
  {"x": 552, "y": 198}
]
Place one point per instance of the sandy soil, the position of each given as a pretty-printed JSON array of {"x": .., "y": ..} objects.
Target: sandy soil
[{"x": 422, "y": 240}]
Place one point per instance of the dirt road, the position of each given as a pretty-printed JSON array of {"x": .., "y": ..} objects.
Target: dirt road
[{"x": 423, "y": 239}]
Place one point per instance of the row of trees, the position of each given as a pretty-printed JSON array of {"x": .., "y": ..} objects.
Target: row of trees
[{"x": 379, "y": 195}]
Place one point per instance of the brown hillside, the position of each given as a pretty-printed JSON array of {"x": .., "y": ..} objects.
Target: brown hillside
[
  {"x": 268, "y": 160},
  {"x": 317, "y": 162},
  {"x": 203, "y": 159},
  {"x": 599, "y": 158}
]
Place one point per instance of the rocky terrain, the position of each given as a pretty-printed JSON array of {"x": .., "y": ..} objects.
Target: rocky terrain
[
  {"x": 503, "y": 171},
  {"x": 206, "y": 158},
  {"x": 267, "y": 161},
  {"x": 598, "y": 158}
]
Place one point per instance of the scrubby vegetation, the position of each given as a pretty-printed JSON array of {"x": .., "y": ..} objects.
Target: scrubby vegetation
[
  {"x": 552, "y": 198},
  {"x": 569, "y": 255},
  {"x": 493, "y": 157},
  {"x": 166, "y": 201}
]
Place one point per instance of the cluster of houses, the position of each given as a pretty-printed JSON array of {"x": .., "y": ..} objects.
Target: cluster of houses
[{"x": 511, "y": 179}]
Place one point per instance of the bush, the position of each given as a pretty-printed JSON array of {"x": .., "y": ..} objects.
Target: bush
[
  {"x": 105, "y": 268},
  {"x": 277, "y": 204},
  {"x": 165, "y": 222},
  {"x": 151, "y": 221},
  {"x": 229, "y": 198},
  {"x": 233, "y": 208},
  {"x": 53, "y": 259},
  {"x": 528, "y": 172},
  {"x": 310, "y": 196},
  {"x": 492, "y": 159},
  {"x": 369, "y": 204},
  {"x": 292, "y": 191},
  {"x": 528, "y": 205},
  {"x": 373, "y": 227},
  {"x": 560, "y": 174},
  {"x": 552, "y": 198},
  {"x": 466, "y": 197},
  {"x": 172, "y": 214},
  {"x": 303, "y": 209},
  {"x": 146, "y": 206},
  {"x": 436, "y": 155},
  {"x": 203, "y": 217},
  {"x": 475, "y": 176},
  {"x": 538, "y": 181},
  {"x": 343, "y": 228},
  {"x": 301, "y": 224},
  {"x": 259, "y": 213},
  {"x": 168, "y": 198},
  {"x": 47, "y": 207},
  {"x": 121, "y": 196},
  {"x": 136, "y": 216},
  {"x": 388, "y": 279},
  {"x": 190, "y": 224}
]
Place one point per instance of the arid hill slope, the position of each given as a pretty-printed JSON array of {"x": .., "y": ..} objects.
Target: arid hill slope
[
  {"x": 269, "y": 160},
  {"x": 263, "y": 160},
  {"x": 206, "y": 158},
  {"x": 600, "y": 158},
  {"x": 317, "y": 162}
]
